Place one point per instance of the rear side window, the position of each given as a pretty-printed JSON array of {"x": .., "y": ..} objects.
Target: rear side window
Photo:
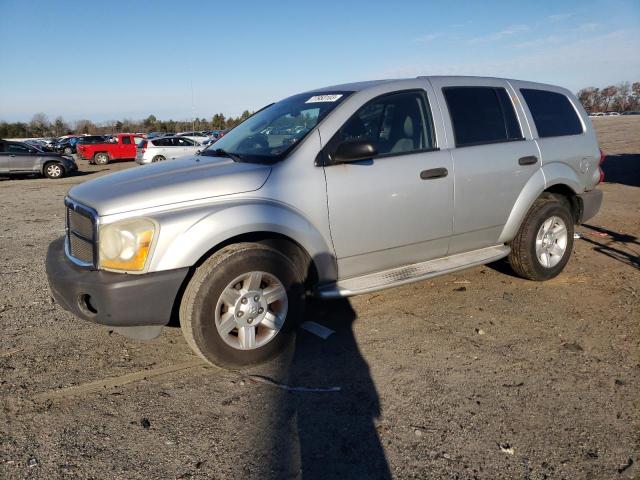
[
  {"x": 552, "y": 113},
  {"x": 481, "y": 115}
]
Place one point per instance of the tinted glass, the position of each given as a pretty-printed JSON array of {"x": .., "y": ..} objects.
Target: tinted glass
[
  {"x": 510, "y": 119},
  {"x": 481, "y": 115},
  {"x": 394, "y": 124},
  {"x": 17, "y": 148},
  {"x": 126, "y": 140},
  {"x": 183, "y": 142},
  {"x": 161, "y": 142},
  {"x": 552, "y": 113},
  {"x": 1, "y": 146}
]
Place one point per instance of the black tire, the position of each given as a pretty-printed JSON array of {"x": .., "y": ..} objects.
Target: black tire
[
  {"x": 200, "y": 300},
  {"x": 53, "y": 170},
  {"x": 101, "y": 158},
  {"x": 158, "y": 158},
  {"x": 523, "y": 258}
]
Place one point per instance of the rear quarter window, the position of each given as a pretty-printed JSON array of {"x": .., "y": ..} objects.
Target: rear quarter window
[{"x": 553, "y": 113}]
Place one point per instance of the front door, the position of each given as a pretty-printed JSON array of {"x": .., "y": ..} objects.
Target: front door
[
  {"x": 4, "y": 158},
  {"x": 21, "y": 157},
  {"x": 396, "y": 208}
]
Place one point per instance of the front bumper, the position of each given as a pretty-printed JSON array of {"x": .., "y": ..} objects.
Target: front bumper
[
  {"x": 590, "y": 202},
  {"x": 114, "y": 299}
]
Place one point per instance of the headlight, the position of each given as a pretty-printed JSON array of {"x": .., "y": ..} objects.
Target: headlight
[{"x": 125, "y": 245}]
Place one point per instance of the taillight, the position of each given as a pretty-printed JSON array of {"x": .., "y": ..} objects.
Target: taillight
[{"x": 602, "y": 157}]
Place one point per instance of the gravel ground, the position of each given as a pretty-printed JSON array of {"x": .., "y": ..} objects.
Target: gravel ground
[{"x": 474, "y": 375}]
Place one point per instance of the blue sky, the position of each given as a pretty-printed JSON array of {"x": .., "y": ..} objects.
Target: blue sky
[{"x": 127, "y": 59}]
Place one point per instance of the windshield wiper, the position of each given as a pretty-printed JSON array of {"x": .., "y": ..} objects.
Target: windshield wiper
[{"x": 219, "y": 152}]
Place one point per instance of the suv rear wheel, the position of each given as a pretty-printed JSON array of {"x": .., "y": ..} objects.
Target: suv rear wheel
[
  {"x": 101, "y": 159},
  {"x": 543, "y": 245},
  {"x": 241, "y": 305}
]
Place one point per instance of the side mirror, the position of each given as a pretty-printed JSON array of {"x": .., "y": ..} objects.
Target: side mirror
[{"x": 353, "y": 151}]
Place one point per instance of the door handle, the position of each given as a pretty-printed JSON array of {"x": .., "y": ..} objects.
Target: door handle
[
  {"x": 434, "y": 173},
  {"x": 528, "y": 160}
]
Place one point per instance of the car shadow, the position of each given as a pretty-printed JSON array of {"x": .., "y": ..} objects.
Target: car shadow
[
  {"x": 318, "y": 434},
  {"x": 623, "y": 169},
  {"x": 328, "y": 435},
  {"x": 618, "y": 246}
]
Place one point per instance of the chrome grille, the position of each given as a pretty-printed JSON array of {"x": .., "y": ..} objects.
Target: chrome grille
[
  {"x": 81, "y": 249},
  {"x": 81, "y": 224},
  {"x": 81, "y": 233}
]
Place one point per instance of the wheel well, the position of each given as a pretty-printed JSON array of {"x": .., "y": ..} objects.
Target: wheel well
[
  {"x": 570, "y": 196},
  {"x": 282, "y": 243}
]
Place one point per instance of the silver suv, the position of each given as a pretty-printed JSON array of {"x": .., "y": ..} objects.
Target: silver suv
[{"x": 334, "y": 192}]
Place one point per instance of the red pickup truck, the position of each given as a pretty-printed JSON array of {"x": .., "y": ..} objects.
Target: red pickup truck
[{"x": 121, "y": 146}]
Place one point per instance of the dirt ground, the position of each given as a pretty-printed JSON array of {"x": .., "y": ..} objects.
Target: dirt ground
[{"x": 474, "y": 375}]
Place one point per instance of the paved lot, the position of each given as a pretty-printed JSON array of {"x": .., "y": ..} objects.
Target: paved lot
[{"x": 474, "y": 375}]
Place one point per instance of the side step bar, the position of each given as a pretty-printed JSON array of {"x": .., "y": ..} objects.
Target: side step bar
[{"x": 411, "y": 273}]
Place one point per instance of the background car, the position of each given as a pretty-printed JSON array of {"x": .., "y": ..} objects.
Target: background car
[
  {"x": 22, "y": 158},
  {"x": 67, "y": 145},
  {"x": 166, "y": 148}
]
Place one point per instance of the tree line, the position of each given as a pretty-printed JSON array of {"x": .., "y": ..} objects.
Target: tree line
[
  {"x": 40, "y": 126},
  {"x": 618, "y": 98},
  {"x": 624, "y": 97}
]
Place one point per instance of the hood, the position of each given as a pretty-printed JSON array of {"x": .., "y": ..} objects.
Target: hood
[{"x": 170, "y": 182}]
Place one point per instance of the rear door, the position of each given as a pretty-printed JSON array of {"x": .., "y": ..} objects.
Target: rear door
[{"x": 494, "y": 156}]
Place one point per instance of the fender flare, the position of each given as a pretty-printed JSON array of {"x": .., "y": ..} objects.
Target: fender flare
[
  {"x": 546, "y": 177},
  {"x": 187, "y": 246}
]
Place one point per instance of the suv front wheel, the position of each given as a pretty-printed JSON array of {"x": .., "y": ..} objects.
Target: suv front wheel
[
  {"x": 53, "y": 170},
  {"x": 543, "y": 245},
  {"x": 241, "y": 305}
]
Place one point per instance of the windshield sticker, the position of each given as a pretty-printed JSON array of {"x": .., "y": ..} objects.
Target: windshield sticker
[{"x": 324, "y": 98}]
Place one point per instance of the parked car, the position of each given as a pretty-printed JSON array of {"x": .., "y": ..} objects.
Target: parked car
[
  {"x": 391, "y": 182},
  {"x": 166, "y": 148},
  {"x": 66, "y": 145},
  {"x": 19, "y": 158},
  {"x": 119, "y": 147}
]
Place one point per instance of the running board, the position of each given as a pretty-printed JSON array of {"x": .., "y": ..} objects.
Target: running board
[{"x": 411, "y": 273}]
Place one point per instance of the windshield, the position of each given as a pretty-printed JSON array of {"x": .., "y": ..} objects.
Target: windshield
[{"x": 272, "y": 132}]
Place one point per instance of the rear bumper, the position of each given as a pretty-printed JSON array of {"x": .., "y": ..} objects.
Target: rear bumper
[
  {"x": 591, "y": 202},
  {"x": 113, "y": 299}
]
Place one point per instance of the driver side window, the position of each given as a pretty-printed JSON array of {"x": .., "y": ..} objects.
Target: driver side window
[{"x": 394, "y": 124}]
